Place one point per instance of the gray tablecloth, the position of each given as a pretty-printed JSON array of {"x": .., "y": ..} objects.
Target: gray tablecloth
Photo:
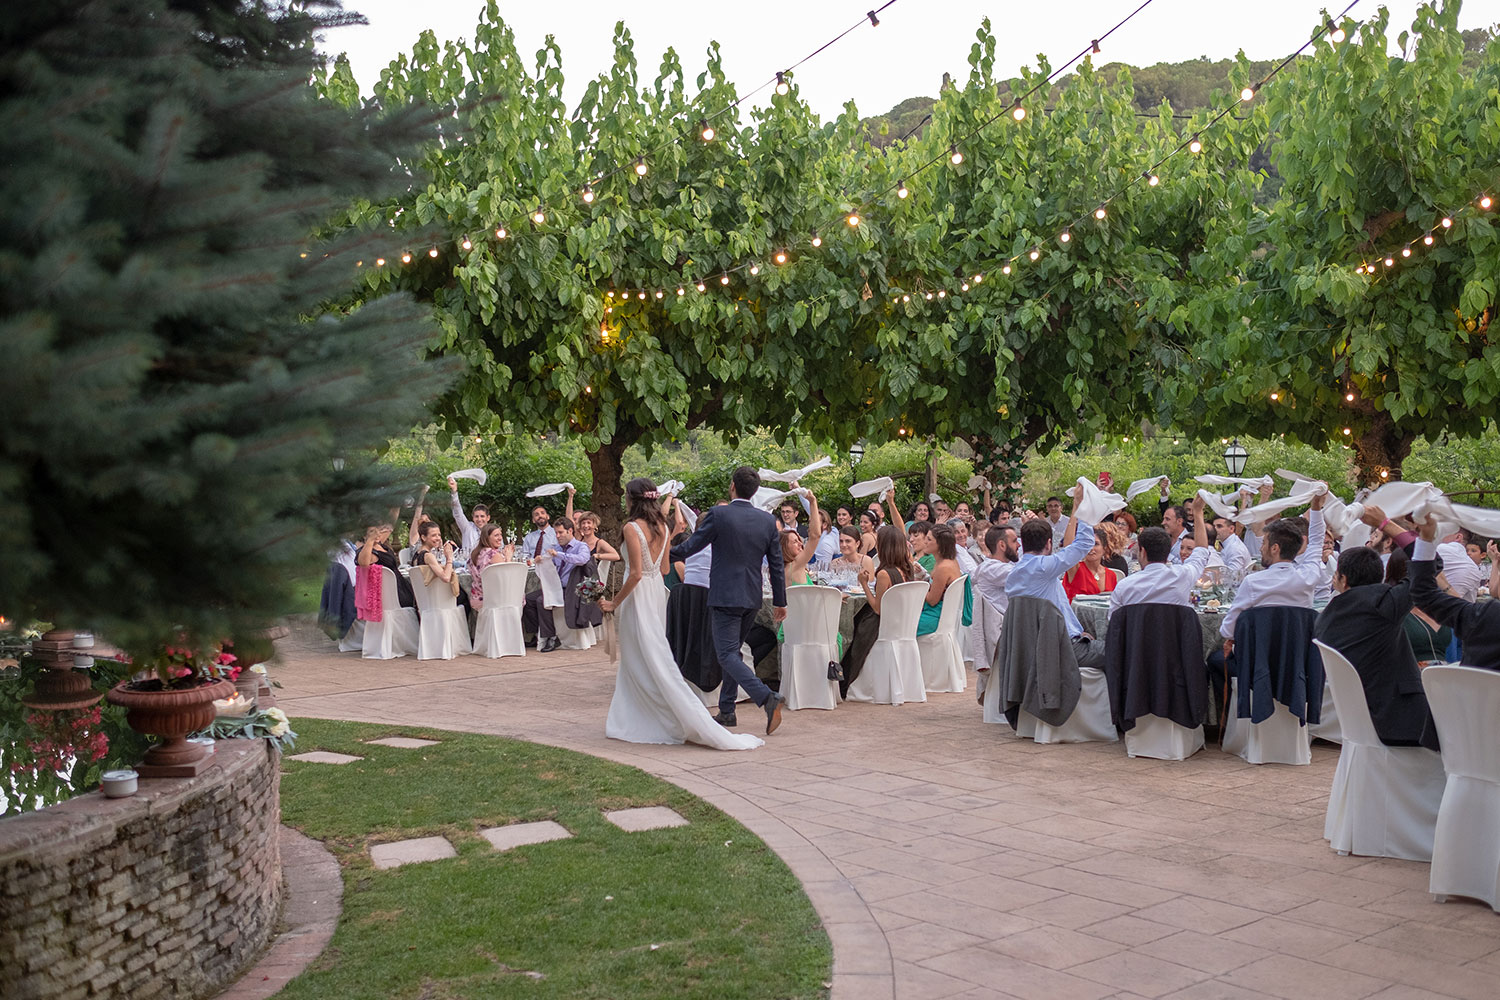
[{"x": 1094, "y": 617}]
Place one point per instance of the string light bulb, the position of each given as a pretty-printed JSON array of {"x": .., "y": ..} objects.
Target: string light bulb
[
  {"x": 1152, "y": 180},
  {"x": 640, "y": 166},
  {"x": 1275, "y": 396},
  {"x": 1247, "y": 94},
  {"x": 539, "y": 216},
  {"x": 964, "y": 287},
  {"x": 1427, "y": 239},
  {"x": 1348, "y": 397},
  {"x": 500, "y": 233},
  {"x": 406, "y": 258},
  {"x": 1064, "y": 236},
  {"x": 817, "y": 240},
  {"x": 754, "y": 269},
  {"x": 1094, "y": 46},
  {"x": 588, "y": 195},
  {"x": 641, "y": 296},
  {"x": 433, "y": 252},
  {"x": 1100, "y": 213},
  {"x": 929, "y": 296},
  {"x": 1406, "y": 251},
  {"x": 1005, "y": 269},
  {"x": 1390, "y": 262},
  {"x": 724, "y": 278},
  {"x": 1035, "y": 254},
  {"x": 780, "y": 256},
  {"x": 1018, "y": 113},
  {"x": 380, "y": 262},
  {"x": 706, "y": 130},
  {"x": 1195, "y": 145},
  {"x": 874, "y": 21},
  {"x": 782, "y": 87},
  {"x": 660, "y": 294},
  {"x": 1336, "y": 33},
  {"x": 978, "y": 279},
  {"x": 1348, "y": 431},
  {"x": 942, "y": 293},
  {"x": 1447, "y": 223},
  {"x": 467, "y": 244},
  {"x": 853, "y": 219},
  {"x": 681, "y": 291},
  {"x": 905, "y": 298},
  {"x": 303, "y": 255},
  {"x": 1360, "y": 269},
  {"x": 901, "y": 190},
  {"x": 954, "y": 156},
  {"x": 1485, "y": 201},
  {"x": 701, "y": 287}
]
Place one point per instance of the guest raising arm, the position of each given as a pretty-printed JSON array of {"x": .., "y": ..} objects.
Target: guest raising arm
[
  {"x": 1292, "y": 574},
  {"x": 1039, "y": 574},
  {"x": 468, "y": 530},
  {"x": 1476, "y": 625}
]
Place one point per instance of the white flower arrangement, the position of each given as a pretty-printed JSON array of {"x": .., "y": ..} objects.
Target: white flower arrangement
[{"x": 271, "y": 724}]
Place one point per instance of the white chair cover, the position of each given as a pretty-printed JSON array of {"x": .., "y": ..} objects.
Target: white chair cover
[
  {"x": 1281, "y": 739},
  {"x": 1162, "y": 739},
  {"x": 497, "y": 632},
  {"x": 546, "y": 575},
  {"x": 353, "y": 640},
  {"x": 1090, "y": 722},
  {"x": 809, "y": 642},
  {"x": 1465, "y": 703},
  {"x": 942, "y": 657},
  {"x": 444, "y": 632},
  {"x": 396, "y": 632},
  {"x": 1384, "y": 800},
  {"x": 892, "y": 673},
  {"x": 1328, "y": 729}
]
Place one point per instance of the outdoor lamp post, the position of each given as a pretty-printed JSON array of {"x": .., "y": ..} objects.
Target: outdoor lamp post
[
  {"x": 1234, "y": 458},
  {"x": 856, "y": 455}
]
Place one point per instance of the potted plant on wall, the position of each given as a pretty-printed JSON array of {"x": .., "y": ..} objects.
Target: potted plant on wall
[{"x": 171, "y": 695}]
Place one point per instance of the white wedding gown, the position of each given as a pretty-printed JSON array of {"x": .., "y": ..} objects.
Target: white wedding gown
[{"x": 653, "y": 703}]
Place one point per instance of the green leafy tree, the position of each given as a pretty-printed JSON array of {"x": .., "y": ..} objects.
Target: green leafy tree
[
  {"x": 173, "y": 414},
  {"x": 549, "y": 341},
  {"x": 1082, "y": 339},
  {"x": 1373, "y": 151}
]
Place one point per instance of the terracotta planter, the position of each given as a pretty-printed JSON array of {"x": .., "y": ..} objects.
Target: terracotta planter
[
  {"x": 170, "y": 715},
  {"x": 61, "y": 685}
]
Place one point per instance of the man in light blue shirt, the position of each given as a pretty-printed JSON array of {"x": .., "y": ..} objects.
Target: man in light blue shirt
[{"x": 1039, "y": 574}]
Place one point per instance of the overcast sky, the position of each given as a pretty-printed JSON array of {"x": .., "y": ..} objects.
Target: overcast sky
[{"x": 916, "y": 42}]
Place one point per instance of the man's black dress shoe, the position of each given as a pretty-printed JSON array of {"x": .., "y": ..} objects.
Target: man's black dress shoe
[{"x": 727, "y": 721}]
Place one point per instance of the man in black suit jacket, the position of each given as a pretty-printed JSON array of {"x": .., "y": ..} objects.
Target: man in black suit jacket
[
  {"x": 742, "y": 536},
  {"x": 1476, "y": 625},
  {"x": 1365, "y": 621}
]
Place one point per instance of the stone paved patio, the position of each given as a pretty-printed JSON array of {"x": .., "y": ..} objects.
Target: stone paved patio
[{"x": 949, "y": 859}]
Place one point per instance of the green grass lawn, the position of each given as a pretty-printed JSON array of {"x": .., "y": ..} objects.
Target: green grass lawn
[{"x": 701, "y": 911}]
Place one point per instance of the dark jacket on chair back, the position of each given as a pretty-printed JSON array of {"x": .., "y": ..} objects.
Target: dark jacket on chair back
[
  {"x": 1035, "y": 665},
  {"x": 741, "y": 535},
  {"x": 1274, "y": 660},
  {"x": 1153, "y": 661}
]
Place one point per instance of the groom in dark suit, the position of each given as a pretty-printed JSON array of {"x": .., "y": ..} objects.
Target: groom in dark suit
[{"x": 742, "y": 536}]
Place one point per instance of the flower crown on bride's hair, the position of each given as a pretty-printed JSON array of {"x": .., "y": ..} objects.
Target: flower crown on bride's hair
[{"x": 649, "y": 495}]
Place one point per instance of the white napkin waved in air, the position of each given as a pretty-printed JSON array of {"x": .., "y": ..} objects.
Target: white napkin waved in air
[
  {"x": 977, "y": 482},
  {"x": 1399, "y": 499},
  {"x": 670, "y": 486},
  {"x": 767, "y": 498},
  {"x": 792, "y": 475},
  {"x": 1301, "y": 495},
  {"x": 478, "y": 475},
  {"x": 870, "y": 487},
  {"x": 1141, "y": 486},
  {"x": 1233, "y": 481},
  {"x": 549, "y": 489},
  {"x": 1092, "y": 503},
  {"x": 1217, "y": 504}
]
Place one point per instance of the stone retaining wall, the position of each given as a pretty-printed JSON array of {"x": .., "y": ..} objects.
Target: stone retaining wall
[{"x": 167, "y": 894}]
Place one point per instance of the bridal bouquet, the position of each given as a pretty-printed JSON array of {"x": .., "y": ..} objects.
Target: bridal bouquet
[{"x": 590, "y": 590}]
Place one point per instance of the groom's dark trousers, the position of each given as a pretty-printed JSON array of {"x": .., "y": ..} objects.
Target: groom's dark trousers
[{"x": 742, "y": 537}]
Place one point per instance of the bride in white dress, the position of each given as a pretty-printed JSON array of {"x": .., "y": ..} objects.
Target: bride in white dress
[{"x": 653, "y": 703}]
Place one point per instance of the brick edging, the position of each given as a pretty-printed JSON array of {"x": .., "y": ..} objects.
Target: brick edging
[{"x": 314, "y": 900}]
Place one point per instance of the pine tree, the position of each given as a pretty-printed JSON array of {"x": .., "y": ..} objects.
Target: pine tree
[{"x": 174, "y": 397}]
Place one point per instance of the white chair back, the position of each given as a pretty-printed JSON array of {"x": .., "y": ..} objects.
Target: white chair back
[
  {"x": 504, "y": 584},
  {"x": 437, "y": 596},
  {"x": 1465, "y": 704},
  {"x": 812, "y": 615},
  {"x": 546, "y": 574},
  {"x": 953, "y": 606},
  {"x": 390, "y": 596},
  {"x": 1348, "y": 696},
  {"x": 900, "y": 609}
]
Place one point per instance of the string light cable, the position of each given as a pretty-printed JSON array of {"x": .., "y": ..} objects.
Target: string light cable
[{"x": 1485, "y": 201}]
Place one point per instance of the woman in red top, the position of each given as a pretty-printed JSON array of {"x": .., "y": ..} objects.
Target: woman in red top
[{"x": 1090, "y": 576}]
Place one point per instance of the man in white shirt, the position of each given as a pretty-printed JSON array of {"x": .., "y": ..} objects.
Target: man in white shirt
[
  {"x": 468, "y": 531},
  {"x": 1292, "y": 574},
  {"x": 989, "y": 577},
  {"x": 1463, "y": 575},
  {"x": 1232, "y": 549},
  {"x": 1159, "y": 581},
  {"x": 1058, "y": 523}
]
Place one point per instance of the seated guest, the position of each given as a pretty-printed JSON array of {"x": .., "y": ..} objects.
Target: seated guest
[
  {"x": 966, "y": 512},
  {"x": 1232, "y": 550},
  {"x": 895, "y": 567},
  {"x": 850, "y": 559},
  {"x": 919, "y": 536},
  {"x": 468, "y": 531},
  {"x": 1159, "y": 581},
  {"x": 568, "y": 556},
  {"x": 944, "y": 550},
  {"x": 1429, "y": 640},
  {"x": 826, "y": 545},
  {"x": 541, "y": 537},
  {"x": 989, "y": 579},
  {"x": 941, "y": 512},
  {"x": 377, "y": 552},
  {"x": 1174, "y": 521},
  {"x": 1476, "y": 552},
  {"x": 868, "y": 523},
  {"x": 588, "y": 533},
  {"x": 919, "y": 511},
  {"x": 1039, "y": 574},
  {"x": 1056, "y": 521},
  {"x": 1461, "y": 572},
  {"x": 968, "y": 560},
  {"x": 1112, "y": 541},
  {"x": 796, "y": 555},
  {"x": 1293, "y": 570},
  {"x": 434, "y": 560},
  {"x": 1477, "y": 626},
  {"x": 786, "y": 519},
  {"x": 844, "y": 514},
  {"x": 1365, "y": 621},
  {"x": 490, "y": 549},
  {"x": 1090, "y": 576}
]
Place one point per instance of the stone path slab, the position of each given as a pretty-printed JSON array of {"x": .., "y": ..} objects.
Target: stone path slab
[
  {"x": 403, "y": 742},
  {"x": 324, "y": 757},
  {"x": 520, "y": 834},
  {"x": 647, "y": 818},
  {"x": 406, "y": 852}
]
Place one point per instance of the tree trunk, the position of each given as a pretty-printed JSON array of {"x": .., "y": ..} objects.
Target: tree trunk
[
  {"x": 605, "y": 463},
  {"x": 929, "y": 481},
  {"x": 1381, "y": 449}
]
